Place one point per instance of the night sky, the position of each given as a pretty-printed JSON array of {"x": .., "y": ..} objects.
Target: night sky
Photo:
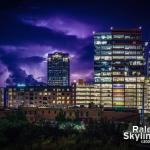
[{"x": 30, "y": 29}]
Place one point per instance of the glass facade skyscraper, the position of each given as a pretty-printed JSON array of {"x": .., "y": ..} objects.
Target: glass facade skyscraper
[
  {"x": 58, "y": 69},
  {"x": 119, "y": 67},
  {"x": 148, "y": 65}
]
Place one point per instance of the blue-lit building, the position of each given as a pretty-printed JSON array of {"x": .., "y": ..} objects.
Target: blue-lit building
[
  {"x": 119, "y": 67},
  {"x": 58, "y": 69}
]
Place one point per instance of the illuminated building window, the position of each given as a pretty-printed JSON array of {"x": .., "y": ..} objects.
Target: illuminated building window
[
  {"x": 106, "y": 57},
  {"x": 106, "y": 79},
  {"x": 118, "y": 85},
  {"x": 118, "y": 103},
  {"x": 130, "y": 86},
  {"x": 106, "y": 85},
  {"x": 140, "y": 58},
  {"x": 106, "y": 52},
  {"x": 106, "y": 47},
  {"x": 140, "y": 85},
  {"x": 140, "y": 79},
  {"x": 105, "y": 37},
  {"x": 96, "y": 57},
  {"x": 130, "y": 57},
  {"x": 10, "y": 93},
  {"x": 45, "y": 93},
  {"x": 127, "y": 37},
  {"x": 118, "y": 52},
  {"x": 65, "y": 59},
  {"x": 105, "y": 74},
  {"x": 130, "y": 47},
  {"x": 118, "y": 36},
  {"x": 10, "y": 89},
  {"x": 100, "y": 42},
  {"x": 130, "y": 79},
  {"x": 118, "y": 79},
  {"x": 118, "y": 98},
  {"x": 118, "y": 90},
  {"x": 118, "y": 46},
  {"x": 106, "y": 99},
  {"x": 120, "y": 57},
  {"x": 118, "y": 73},
  {"x": 130, "y": 52}
]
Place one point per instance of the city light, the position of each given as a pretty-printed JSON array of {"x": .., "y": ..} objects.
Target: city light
[{"x": 21, "y": 85}]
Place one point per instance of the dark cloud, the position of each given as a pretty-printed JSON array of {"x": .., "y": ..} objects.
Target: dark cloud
[
  {"x": 2, "y": 71},
  {"x": 18, "y": 75},
  {"x": 32, "y": 60},
  {"x": 14, "y": 32}
]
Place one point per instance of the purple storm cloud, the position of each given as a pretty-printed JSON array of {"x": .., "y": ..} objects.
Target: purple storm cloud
[
  {"x": 28, "y": 49},
  {"x": 62, "y": 24}
]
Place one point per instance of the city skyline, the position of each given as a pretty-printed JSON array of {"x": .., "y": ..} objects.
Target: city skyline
[
  {"x": 74, "y": 74},
  {"x": 118, "y": 81},
  {"x": 30, "y": 30}
]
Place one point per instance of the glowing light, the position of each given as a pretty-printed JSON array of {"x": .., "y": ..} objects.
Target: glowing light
[
  {"x": 146, "y": 43},
  {"x": 140, "y": 27},
  {"x": 93, "y": 32},
  {"x": 74, "y": 81},
  {"x": 21, "y": 85},
  {"x": 111, "y": 28}
]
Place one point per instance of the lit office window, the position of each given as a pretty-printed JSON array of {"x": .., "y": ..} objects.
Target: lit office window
[
  {"x": 97, "y": 57},
  {"x": 118, "y": 46},
  {"x": 130, "y": 79},
  {"x": 118, "y": 36},
  {"x": 106, "y": 47},
  {"x": 118, "y": 79},
  {"x": 106, "y": 79},
  {"x": 130, "y": 86},
  {"x": 106, "y": 57},
  {"x": 106, "y": 85}
]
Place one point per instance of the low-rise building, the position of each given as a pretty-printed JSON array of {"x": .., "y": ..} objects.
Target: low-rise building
[
  {"x": 37, "y": 96},
  {"x": 86, "y": 93}
]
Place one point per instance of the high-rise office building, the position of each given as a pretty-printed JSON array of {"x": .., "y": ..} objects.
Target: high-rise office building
[
  {"x": 119, "y": 67},
  {"x": 58, "y": 69},
  {"x": 147, "y": 95},
  {"x": 148, "y": 65}
]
